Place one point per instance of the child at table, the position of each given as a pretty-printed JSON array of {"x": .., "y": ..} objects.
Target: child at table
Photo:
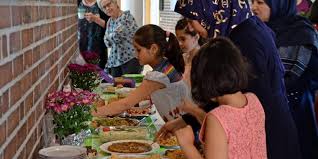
[
  {"x": 236, "y": 127},
  {"x": 160, "y": 50},
  {"x": 189, "y": 41}
]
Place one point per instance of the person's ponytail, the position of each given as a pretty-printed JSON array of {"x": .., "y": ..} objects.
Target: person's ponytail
[
  {"x": 174, "y": 53},
  {"x": 168, "y": 44}
]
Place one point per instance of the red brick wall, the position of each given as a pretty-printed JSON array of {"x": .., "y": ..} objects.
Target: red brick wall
[{"x": 37, "y": 41}]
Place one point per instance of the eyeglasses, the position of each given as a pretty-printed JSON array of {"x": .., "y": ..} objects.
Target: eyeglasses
[{"x": 107, "y": 5}]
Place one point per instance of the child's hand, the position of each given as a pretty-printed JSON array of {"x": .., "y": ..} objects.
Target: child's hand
[
  {"x": 185, "y": 136},
  {"x": 186, "y": 58},
  {"x": 187, "y": 106},
  {"x": 100, "y": 111}
]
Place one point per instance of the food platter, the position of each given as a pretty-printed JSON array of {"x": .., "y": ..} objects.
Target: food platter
[
  {"x": 134, "y": 156},
  {"x": 175, "y": 154},
  {"x": 116, "y": 121},
  {"x": 130, "y": 147},
  {"x": 169, "y": 143}
]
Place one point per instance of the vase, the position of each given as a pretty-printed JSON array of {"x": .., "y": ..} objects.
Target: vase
[{"x": 76, "y": 139}]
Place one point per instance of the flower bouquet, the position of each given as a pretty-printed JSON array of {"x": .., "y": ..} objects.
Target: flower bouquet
[
  {"x": 91, "y": 57},
  {"x": 85, "y": 77},
  {"x": 71, "y": 111}
]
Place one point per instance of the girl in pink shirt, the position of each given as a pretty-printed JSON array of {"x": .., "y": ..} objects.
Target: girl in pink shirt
[{"x": 235, "y": 129}]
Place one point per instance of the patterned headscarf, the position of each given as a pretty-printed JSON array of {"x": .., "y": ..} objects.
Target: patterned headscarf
[{"x": 218, "y": 17}]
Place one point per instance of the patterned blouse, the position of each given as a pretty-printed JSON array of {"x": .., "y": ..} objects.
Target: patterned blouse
[{"x": 119, "y": 37}]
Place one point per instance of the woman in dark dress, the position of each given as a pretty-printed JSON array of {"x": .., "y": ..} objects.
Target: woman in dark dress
[
  {"x": 91, "y": 30},
  {"x": 297, "y": 43},
  {"x": 233, "y": 19}
]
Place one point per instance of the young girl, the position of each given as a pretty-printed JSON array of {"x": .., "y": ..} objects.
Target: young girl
[
  {"x": 235, "y": 128},
  {"x": 160, "y": 50},
  {"x": 189, "y": 43}
]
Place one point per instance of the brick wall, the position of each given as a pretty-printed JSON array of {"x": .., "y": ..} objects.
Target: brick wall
[
  {"x": 37, "y": 40},
  {"x": 168, "y": 18}
]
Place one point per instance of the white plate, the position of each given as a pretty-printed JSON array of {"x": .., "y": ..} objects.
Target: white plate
[
  {"x": 62, "y": 151},
  {"x": 154, "y": 146}
]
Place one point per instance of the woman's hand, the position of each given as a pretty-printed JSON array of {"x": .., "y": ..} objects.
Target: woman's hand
[
  {"x": 90, "y": 17},
  {"x": 185, "y": 136}
]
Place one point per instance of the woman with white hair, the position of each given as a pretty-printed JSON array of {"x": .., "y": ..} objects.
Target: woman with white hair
[{"x": 120, "y": 30}]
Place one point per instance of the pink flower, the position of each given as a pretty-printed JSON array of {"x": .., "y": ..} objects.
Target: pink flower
[
  {"x": 64, "y": 101},
  {"x": 58, "y": 109},
  {"x": 64, "y": 107},
  {"x": 85, "y": 101}
]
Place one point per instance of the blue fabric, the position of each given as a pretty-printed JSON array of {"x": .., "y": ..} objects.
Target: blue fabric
[
  {"x": 295, "y": 31},
  {"x": 219, "y": 17},
  {"x": 254, "y": 39},
  {"x": 290, "y": 28}
]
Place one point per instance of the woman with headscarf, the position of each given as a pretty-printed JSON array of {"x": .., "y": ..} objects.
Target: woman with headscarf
[
  {"x": 297, "y": 43},
  {"x": 233, "y": 19}
]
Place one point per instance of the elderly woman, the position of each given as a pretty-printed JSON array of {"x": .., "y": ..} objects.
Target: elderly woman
[
  {"x": 297, "y": 43},
  {"x": 120, "y": 30},
  {"x": 91, "y": 30},
  {"x": 234, "y": 20}
]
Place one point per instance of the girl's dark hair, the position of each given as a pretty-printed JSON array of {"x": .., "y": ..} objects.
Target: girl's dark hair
[
  {"x": 217, "y": 69},
  {"x": 150, "y": 34},
  {"x": 183, "y": 24}
]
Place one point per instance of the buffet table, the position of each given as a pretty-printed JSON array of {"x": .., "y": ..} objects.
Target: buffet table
[{"x": 109, "y": 133}]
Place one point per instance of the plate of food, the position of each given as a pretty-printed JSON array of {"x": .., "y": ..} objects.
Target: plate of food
[
  {"x": 175, "y": 154},
  {"x": 169, "y": 142},
  {"x": 154, "y": 156},
  {"x": 137, "y": 111},
  {"x": 97, "y": 122},
  {"x": 141, "y": 147},
  {"x": 107, "y": 134}
]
